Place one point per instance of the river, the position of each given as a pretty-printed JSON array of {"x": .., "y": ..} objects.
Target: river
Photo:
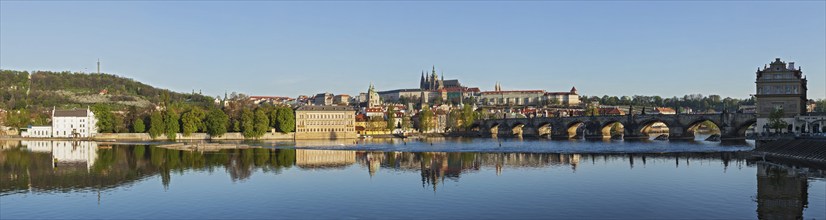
[{"x": 445, "y": 178}]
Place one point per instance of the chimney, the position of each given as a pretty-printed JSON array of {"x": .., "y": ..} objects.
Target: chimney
[{"x": 791, "y": 65}]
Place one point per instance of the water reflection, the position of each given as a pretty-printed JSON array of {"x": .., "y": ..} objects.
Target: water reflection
[
  {"x": 61, "y": 166},
  {"x": 782, "y": 191}
]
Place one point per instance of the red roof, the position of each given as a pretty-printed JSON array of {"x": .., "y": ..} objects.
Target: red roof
[
  {"x": 611, "y": 111},
  {"x": 664, "y": 109}
]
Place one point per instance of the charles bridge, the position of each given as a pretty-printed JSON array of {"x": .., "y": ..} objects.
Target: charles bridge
[{"x": 635, "y": 126}]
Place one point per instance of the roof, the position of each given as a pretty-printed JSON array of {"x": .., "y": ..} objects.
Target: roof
[
  {"x": 513, "y": 91},
  {"x": 70, "y": 113},
  {"x": 324, "y": 108},
  {"x": 399, "y": 90},
  {"x": 664, "y": 109},
  {"x": 558, "y": 93}
]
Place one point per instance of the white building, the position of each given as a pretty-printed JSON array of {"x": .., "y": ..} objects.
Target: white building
[
  {"x": 37, "y": 131},
  {"x": 74, "y": 123}
]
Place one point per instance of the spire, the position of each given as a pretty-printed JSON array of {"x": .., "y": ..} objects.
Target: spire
[{"x": 422, "y": 81}]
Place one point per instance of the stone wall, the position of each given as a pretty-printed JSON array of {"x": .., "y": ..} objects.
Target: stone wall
[{"x": 193, "y": 136}]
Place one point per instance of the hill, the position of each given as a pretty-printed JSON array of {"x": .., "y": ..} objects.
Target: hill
[{"x": 40, "y": 90}]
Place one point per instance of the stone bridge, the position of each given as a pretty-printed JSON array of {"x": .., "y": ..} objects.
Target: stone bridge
[{"x": 680, "y": 126}]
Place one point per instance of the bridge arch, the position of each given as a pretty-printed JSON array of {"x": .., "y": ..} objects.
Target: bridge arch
[
  {"x": 517, "y": 128},
  {"x": 576, "y": 129},
  {"x": 702, "y": 126},
  {"x": 744, "y": 128},
  {"x": 613, "y": 129},
  {"x": 660, "y": 128},
  {"x": 544, "y": 129}
]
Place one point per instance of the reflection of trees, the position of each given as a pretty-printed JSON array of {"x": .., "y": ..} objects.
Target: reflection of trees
[{"x": 25, "y": 170}]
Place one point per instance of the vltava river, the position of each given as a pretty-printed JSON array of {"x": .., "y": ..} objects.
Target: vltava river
[{"x": 390, "y": 178}]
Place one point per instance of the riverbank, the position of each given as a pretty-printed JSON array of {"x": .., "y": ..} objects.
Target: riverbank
[{"x": 807, "y": 150}]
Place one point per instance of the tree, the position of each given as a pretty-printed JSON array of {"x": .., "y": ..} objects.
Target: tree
[
  {"x": 775, "y": 120},
  {"x": 189, "y": 123},
  {"x": 286, "y": 120},
  {"x": 106, "y": 120},
  {"x": 616, "y": 129},
  {"x": 455, "y": 119},
  {"x": 391, "y": 114},
  {"x": 261, "y": 123},
  {"x": 425, "y": 120},
  {"x": 468, "y": 116},
  {"x": 170, "y": 119},
  {"x": 247, "y": 123},
  {"x": 274, "y": 117},
  {"x": 216, "y": 122},
  {"x": 591, "y": 110},
  {"x": 406, "y": 123},
  {"x": 156, "y": 126},
  {"x": 18, "y": 119},
  {"x": 138, "y": 126}
]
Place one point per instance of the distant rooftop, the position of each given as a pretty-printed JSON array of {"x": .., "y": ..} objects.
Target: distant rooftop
[
  {"x": 70, "y": 113},
  {"x": 324, "y": 108}
]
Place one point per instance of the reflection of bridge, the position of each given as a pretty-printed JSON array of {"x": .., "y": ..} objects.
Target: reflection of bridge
[{"x": 681, "y": 126}]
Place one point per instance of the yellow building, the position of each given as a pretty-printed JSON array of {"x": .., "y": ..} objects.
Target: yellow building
[{"x": 325, "y": 122}]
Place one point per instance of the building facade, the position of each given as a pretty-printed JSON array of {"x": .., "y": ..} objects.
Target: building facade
[
  {"x": 325, "y": 122},
  {"x": 527, "y": 97},
  {"x": 323, "y": 99},
  {"x": 74, "y": 123},
  {"x": 780, "y": 86},
  {"x": 431, "y": 88}
]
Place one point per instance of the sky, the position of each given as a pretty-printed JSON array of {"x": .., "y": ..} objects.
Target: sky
[{"x": 290, "y": 48}]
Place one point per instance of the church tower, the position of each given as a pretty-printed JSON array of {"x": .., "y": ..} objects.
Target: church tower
[
  {"x": 422, "y": 82},
  {"x": 373, "y": 98}
]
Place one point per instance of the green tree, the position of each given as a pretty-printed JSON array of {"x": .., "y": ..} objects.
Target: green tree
[
  {"x": 455, "y": 119},
  {"x": 286, "y": 120},
  {"x": 406, "y": 123},
  {"x": 616, "y": 129},
  {"x": 261, "y": 123},
  {"x": 468, "y": 116},
  {"x": 247, "y": 123},
  {"x": 138, "y": 126},
  {"x": 170, "y": 119},
  {"x": 775, "y": 120},
  {"x": 426, "y": 120},
  {"x": 216, "y": 122},
  {"x": 189, "y": 123},
  {"x": 391, "y": 115},
  {"x": 18, "y": 118},
  {"x": 106, "y": 120},
  {"x": 273, "y": 115},
  {"x": 156, "y": 126}
]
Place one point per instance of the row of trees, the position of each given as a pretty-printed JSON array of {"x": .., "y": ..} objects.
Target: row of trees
[
  {"x": 188, "y": 119},
  {"x": 698, "y": 102}
]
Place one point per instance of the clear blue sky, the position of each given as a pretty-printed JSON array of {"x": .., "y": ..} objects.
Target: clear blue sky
[{"x": 292, "y": 48}]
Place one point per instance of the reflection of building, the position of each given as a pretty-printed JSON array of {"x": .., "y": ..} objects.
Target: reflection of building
[
  {"x": 435, "y": 167},
  {"x": 324, "y": 158},
  {"x": 66, "y": 153},
  {"x": 325, "y": 122},
  {"x": 782, "y": 193},
  {"x": 780, "y": 87}
]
